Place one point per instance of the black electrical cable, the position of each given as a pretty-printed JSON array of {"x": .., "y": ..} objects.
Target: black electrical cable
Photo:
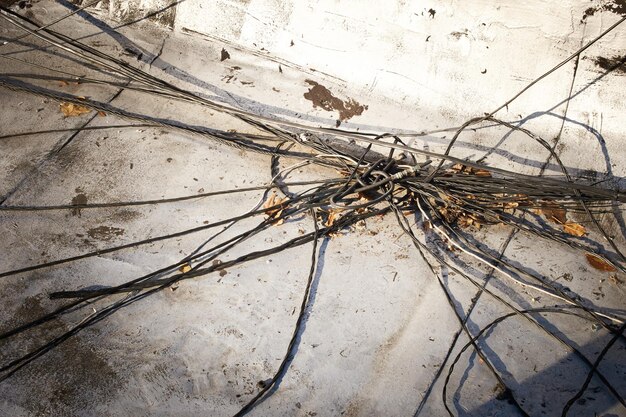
[
  {"x": 593, "y": 370},
  {"x": 289, "y": 354}
]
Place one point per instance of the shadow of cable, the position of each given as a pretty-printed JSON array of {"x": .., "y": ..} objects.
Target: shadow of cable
[
  {"x": 311, "y": 302},
  {"x": 549, "y": 389}
]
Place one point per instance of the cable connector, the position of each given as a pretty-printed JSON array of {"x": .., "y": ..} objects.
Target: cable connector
[{"x": 410, "y": 171}]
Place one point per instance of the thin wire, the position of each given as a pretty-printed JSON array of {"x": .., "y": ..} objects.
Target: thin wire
[
  {"x": 289, "y": 355},
  {"x": 591, "y": 372},
  {"x": 88, "y": 4}
]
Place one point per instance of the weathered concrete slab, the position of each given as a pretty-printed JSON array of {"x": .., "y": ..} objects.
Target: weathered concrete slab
[{"x": 379, "y": 325}]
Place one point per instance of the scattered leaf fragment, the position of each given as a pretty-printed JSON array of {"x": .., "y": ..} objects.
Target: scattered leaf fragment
[
  {"x": 574, "y": 229},
  {"x": 554, "y": 212},
  {"x": 599, "y": 263},
  {"x": 274, "y": 212},
  {"x": 185, "y": 268},
  {"x": 464, "y": 221},
  {"x": 481, "y": 173},
  {"x": 461, "y": 168},
  {"x": 71, "y": 109},
  {"x": 102, "y": 114},
  {"x": 332, "y": 214},
  {"x": 457, "y": 167}
]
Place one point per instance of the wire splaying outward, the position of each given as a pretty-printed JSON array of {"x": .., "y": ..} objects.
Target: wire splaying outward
[{"x": 450, "y": 198}]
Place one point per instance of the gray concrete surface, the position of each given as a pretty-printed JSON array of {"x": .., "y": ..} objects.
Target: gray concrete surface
[{"x": 379, "y": 326}]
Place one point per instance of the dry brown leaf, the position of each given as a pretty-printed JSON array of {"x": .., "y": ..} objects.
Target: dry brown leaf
[
  {"x": 185, "y": 268},
  {"x": 450, "y": 215},
  {"x": 574, "y": 229},
  {"x": 72, "y": 110},
  {"x": 522, "y": 200},
  {"x": 599, "y": 263},
  {"x": 464, "y": 221},
  {"x": 63, "y": 83},
  {"x": 481, "y": 173},
  {"x": 101, "y": 113},
  {"x": 331, "y": 218},
  {"x": 270, "y": 202},
  {"x": 274, "y": 212},
  {"x": 553, "y": 212}
]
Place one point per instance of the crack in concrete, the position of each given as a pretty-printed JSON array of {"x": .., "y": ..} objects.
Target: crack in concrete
[{"x": 158, "y": 54}]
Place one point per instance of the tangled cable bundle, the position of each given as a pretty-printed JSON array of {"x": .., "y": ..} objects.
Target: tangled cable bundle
[{"x": 446, "y": 195}]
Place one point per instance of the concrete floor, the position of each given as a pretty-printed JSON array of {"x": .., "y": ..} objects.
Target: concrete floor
[{"x": 379, "y": 325}]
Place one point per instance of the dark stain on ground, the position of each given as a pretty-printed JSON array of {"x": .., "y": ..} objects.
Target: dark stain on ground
[
  {"x": 71, "y": 377},
  {"x": 589, "y": 12},
  {"x": 458, "y": 35},
  {"x": 79, "y": 200},
  {"x": 133, "y": 52},
  {"x": 617, "y": 64},
  {"x": 616, "y": 6},
  {"x": 321, "y": 96},
  {"x": 224, "y": 55},
  {"x": 105, "y": 232},
  {"x": 125, "y": 215}
]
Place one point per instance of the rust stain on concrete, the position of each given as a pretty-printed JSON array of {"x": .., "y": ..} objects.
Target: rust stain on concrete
[{"x": 321, "y": 96}]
